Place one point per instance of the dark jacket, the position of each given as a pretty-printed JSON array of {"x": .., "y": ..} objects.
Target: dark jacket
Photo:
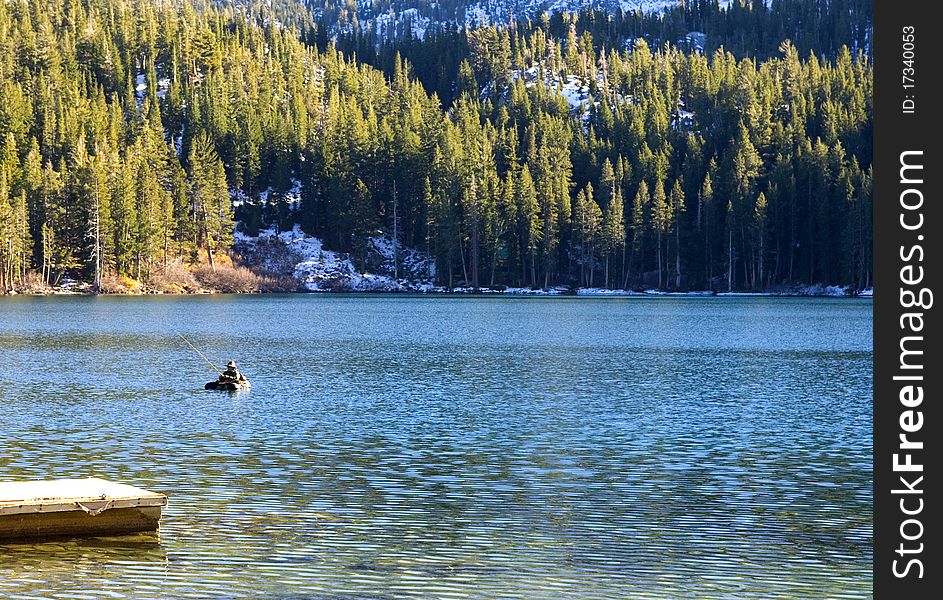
[{"x": 231, "y": 375}]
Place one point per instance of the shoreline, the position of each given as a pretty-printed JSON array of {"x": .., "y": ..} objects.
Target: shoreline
[{"x": 559, "y": 291}]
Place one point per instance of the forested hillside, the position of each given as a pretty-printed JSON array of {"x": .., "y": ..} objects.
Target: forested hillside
[
  {"x": 744, "y": 27},
  {"x": 134, "y": 132}
]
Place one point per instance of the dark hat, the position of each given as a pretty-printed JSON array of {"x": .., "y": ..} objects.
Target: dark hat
[{"x": 231, "y": 364}]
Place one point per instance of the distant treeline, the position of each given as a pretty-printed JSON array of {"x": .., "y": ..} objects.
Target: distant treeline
[
  {"x": 744, "y": 28},
  {"x": 127, "y": 124}
]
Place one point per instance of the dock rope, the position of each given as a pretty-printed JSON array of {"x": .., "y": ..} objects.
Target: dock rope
[{"x": 94, "y": 512}]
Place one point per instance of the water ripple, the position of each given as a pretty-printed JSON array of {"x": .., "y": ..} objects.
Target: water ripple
[{"x": 451, "y": 448}]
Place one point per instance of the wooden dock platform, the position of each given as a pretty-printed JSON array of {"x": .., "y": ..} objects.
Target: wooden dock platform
[{"x": 76, "y": 507}]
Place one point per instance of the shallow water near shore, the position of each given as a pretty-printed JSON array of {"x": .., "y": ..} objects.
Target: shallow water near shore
[{"x": 450, "y": 447}]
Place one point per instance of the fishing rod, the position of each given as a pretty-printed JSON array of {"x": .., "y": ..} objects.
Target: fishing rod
[{"x": 197, "y": 350}]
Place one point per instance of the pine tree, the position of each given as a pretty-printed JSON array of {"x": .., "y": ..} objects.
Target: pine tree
[
  {"x": 8, "y": 235},
  {"x": 529, "y": 223},
  {"x": 125, "y": 215},
  {"x": 210, "y": 198},
  {"x": 706, "y": 200},
  {"x": 760, "y": 218},
  {"x": 676, "y": 208},
  {"x": 504, "y": 223},
  {"x": 591, "y": 225},
  {"x": 58, "y": 256},
  {"x": 730, "y": 257},
  {"x": 660, "y": 220},
  {"x": 613, "y": 229},
  {"x": 640, "y": 208},
  {"x": 32, "y": 185},
  {"x": 93, "y": 189}
]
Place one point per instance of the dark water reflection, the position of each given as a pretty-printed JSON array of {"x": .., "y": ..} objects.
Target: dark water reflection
[{"x": 451, "y": 447}]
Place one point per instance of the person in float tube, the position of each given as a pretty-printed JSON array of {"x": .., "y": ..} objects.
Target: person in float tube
[{"x": 232, "y": 374}]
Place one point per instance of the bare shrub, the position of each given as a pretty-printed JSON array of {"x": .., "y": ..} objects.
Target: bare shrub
[
  {"x": 235, "y": 279},
  {"x": 279, "y": 284},
  {"x": 269, "y": 256},
  {"x": 32, "y": 283},
  {"x": 119, "y": 284},
  {"x": 226, "y": 279},
  {"x": 175, "y": 278}
]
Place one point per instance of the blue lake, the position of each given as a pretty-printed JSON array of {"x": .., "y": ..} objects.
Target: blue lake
[{"x": 450, "y": 447}]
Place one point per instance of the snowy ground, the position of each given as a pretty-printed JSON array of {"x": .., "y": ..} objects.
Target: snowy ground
[
  {"x": 319, "y": 270},
  {"x": 140, "y": 88},
  {"x": 833, "y": 291},
  {"x": 514, "y": 291},
  {"x": 390, "y": 20},
  {"x": 292, "y": 197},
  {"x": 576, "y": 91}
]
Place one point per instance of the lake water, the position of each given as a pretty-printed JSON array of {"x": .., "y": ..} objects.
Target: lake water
[{"x": 440, "y": 447}]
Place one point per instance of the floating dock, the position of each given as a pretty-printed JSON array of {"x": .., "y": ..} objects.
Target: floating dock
[{"x": 76, "y": 507}]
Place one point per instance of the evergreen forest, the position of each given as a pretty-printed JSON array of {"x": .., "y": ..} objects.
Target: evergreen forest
[{"x": 575, "y": 149}]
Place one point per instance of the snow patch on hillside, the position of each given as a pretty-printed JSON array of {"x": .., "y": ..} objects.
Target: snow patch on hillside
[
  {"x": 825, "y": 290},
  {"x": 576, "y": 91},
  {"x": 292, "y": 197},
  {"x": 140, "y": 88},
  {"x": 390, "y": 21},
  {"x": 392, "y": 24},
  {"x": 317, "y": 269}
]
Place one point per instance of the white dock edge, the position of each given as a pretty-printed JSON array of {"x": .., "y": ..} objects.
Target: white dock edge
[{"x": 72, "y": 507}]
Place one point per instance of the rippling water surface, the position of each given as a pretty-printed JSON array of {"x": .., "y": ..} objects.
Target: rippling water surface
[{"x": 406, "y": 447}]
